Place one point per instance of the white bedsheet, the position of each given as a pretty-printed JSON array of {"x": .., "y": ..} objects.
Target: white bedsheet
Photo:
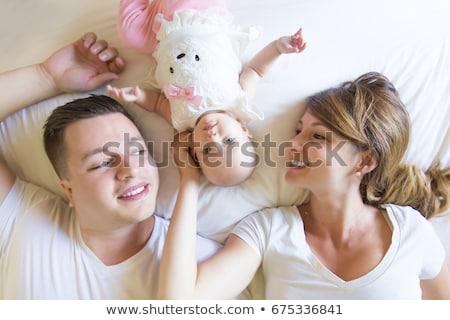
[{"x": 409, "y": 41}]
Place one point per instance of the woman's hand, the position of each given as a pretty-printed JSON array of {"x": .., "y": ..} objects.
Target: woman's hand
[{"x": 187, "y": 166}]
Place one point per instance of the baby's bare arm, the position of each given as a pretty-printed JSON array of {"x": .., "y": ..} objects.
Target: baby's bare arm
[
  {"x": 147, "y": 99},
  {"x": 260, "y": 64}
]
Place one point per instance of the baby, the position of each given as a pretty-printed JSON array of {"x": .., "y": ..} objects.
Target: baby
[{"x": 215, "y": 108}]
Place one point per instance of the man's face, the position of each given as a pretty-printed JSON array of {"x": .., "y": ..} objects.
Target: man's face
[{"x": 113, "y": 181}]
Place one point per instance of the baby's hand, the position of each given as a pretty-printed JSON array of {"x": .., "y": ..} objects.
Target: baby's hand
[
  {"x": 291, "y": 44},
  {"x": 127, "y": 94}
]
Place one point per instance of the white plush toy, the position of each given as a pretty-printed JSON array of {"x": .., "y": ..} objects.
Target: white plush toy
[
  {"x": 198, "y": 62},
  {"x": 198, "y": 52}
]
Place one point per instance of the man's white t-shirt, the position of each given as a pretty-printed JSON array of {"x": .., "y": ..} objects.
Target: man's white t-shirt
[
  {"x": 43, "y": 256},
  {"x": 292, "y": 271}
]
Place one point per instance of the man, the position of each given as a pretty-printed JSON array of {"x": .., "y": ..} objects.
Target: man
[{"x": 106, "y": 242}]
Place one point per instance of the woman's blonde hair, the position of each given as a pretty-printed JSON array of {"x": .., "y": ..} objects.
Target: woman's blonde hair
[{"x": 369, "y": 113}]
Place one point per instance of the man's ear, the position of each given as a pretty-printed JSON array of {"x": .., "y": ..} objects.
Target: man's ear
[{"x": 68, "y": 190}]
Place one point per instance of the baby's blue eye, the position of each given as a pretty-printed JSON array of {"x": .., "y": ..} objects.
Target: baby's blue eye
[
  {"x": 206, "y": 150},
  {"x": 229, "y": 140}
]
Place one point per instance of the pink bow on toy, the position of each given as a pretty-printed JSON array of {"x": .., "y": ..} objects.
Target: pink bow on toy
[{"x": 172, "y": 92}]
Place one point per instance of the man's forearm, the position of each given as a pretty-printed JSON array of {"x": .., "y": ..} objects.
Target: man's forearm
[{"x": 23, "y": 87}]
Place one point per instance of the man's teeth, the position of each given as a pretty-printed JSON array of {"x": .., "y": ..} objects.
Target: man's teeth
[
  {"x": 298, "y": 163},
  {"x": 134, "y": 192}
]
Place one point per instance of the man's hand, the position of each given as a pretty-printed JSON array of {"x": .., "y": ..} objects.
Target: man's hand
[{"x": 83, "y": 65}]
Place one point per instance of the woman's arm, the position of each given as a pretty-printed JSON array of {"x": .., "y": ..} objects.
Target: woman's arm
[
  {"x": 437, "y": 288},
  {"x": 222, "y": 276},
  {"x": 178, "y": 268}
]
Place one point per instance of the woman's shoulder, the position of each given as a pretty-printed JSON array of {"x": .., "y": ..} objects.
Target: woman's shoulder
[
  {"x": 406, "y": 217},
  {"x": 404, "y": 212},
  {"x": 273, "y": 217}
]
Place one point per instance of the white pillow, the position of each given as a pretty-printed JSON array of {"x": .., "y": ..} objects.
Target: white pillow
[
  {"x": 22, "y": 145},
  {"x": 408, "y": 41}
]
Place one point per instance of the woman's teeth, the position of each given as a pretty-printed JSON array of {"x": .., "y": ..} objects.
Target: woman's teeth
[{"x": 298, "y": 163}]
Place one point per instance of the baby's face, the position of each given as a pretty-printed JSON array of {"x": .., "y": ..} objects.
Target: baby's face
[{"x": 223, "y": 148}]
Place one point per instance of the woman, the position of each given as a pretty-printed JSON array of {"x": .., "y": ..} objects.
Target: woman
[{"x": 360, "y": 236}]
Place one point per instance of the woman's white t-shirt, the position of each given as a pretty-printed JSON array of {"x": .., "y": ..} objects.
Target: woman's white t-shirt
[{"x": 292, "y": 271}]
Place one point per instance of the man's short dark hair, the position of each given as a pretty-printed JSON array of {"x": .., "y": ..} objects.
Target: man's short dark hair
[{"x": 56, "y": 124}]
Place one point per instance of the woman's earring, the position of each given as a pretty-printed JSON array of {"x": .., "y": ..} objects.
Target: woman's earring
[{"x": 359, "y": 173}]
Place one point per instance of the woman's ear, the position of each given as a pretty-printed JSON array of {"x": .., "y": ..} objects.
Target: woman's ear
[{"x": 368, "y": 162}]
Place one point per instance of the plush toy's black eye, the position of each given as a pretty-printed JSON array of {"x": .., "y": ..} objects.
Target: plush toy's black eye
[
  {"x": 197, "y": 58},
  {"x": 171, "y": 70},
  {"x": 181, "y": 55}
]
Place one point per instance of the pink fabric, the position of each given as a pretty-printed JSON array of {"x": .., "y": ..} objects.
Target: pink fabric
[
  {"x": 173, "y": 92},
  {"x": 136, "y": 19}
]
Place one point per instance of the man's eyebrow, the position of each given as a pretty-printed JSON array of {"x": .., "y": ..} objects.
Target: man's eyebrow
[
  {"x": 93, "y": 153},
  {"x": 104, "y": 149},
  {"x": 137, "y": 138}
]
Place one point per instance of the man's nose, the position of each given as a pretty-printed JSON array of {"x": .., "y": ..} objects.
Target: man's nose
[{"x": 126, "y": 169}]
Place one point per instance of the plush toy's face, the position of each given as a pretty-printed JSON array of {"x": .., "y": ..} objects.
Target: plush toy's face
[{"x": 207, "y": 62}]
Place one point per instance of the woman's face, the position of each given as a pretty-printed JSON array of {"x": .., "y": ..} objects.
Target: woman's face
[{"x": 320, "y": 159}]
